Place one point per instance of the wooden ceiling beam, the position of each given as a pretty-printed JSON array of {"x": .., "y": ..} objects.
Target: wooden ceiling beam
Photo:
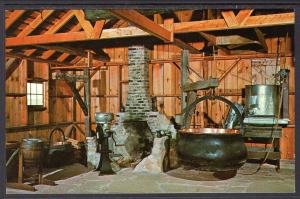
[
  {"x": 243, "y": 16},
  {"x": 11, "y": 65},
  {"x": 144, "y": 23},
  {"x": 53, "y": 29},
  {"x": 60, "y": 23},
  {"x": 26, "y": 31},
  {"x": 183, "y": 45},
  {"x": 85, "y": 24},
  {"x": 213, "y": 39},
  {"x": 98, "y": 28},
  {"x": 261, "y": 39},
  {"x": 184, "y": 27},
  {"x": 230, "y": 19},
  {"x": 35, "y": 59},
  {"x": 13, "y": 17},
  {"x": 220, "y": 24},
  {"x": 184, "y": 15},
  {"x": 69, "y": 50},
  {"x": 63, "y": 57},
  {"x": 49, "y": 53},
  {"x": 35, "y": 23},
  {"x": 76, "y": 59},
  {"x": 234, "y": 40}
]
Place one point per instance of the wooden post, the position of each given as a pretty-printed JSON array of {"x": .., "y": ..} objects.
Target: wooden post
[
  {"x": 285, "y": 97},
  {"x": 87, "y": 96},
  {"x": 20, "y": 173},
  {"x": 120, "y": 86},
  {"x": 184, "y": 76},
  {"x": 190, "y": 96},
  {"x": 74, "y": 118}
]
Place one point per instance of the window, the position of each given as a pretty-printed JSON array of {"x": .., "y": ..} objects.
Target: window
[{"x": 35, "y": 94}]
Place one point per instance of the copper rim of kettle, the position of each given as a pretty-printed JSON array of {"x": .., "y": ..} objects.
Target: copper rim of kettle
[{"x": 209, "y": 131}]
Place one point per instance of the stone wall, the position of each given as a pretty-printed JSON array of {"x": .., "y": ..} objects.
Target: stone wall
[{"x": 138, "y": 101}]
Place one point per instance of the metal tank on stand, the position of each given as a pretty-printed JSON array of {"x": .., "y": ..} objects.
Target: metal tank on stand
[{"x": 266, "y": 112}]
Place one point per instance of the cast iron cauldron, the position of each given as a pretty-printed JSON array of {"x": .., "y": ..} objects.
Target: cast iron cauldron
[{"x": 211, "y": 149}]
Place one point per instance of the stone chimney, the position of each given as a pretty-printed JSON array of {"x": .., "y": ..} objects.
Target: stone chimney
[{"x": 138, "y": 100}]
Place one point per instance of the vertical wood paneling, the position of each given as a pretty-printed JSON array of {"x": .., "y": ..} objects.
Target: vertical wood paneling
[{"x": 287, "y": 143}]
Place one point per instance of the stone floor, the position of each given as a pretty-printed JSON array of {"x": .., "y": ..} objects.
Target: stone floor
[{"x": 76, "y": 179}]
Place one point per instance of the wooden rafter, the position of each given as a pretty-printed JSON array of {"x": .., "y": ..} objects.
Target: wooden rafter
[
  {"x": 243, "y": 16},
  {"x": 184, "y": 27},
  {"x": 230, "y": 19},
  {"x": 35, "y": 23},
  {"x": 63, "y": 57},
  {"x": 76, "y": 59},
  {"x": 49, "y": 53},
  {"x": 234, "y": 40},
  {"x": 213, "y": 39},
  {"x": 11, "y": 65},
  {"x": 261, "y": 39},
  {"x": 184, "y": 15},
  {"x": 183, "y": 45},
  {"x": 15, "y": 62},
  {"x": 85, "y": 24},
  {"x": 36, "y": 59},
  {"x": 68, "y": 50},
  {"x": 98, "y": 28},
  {"x": 60, "y": 23},
  {"x": 220, "y": 24},
  {"x": 53, "y": 29},
  {"x": 144, "y": 23},
  {"x": 13, "y": 17}
]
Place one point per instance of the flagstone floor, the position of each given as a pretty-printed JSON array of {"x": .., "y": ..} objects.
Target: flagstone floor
[{"x": 76, "y": 179}]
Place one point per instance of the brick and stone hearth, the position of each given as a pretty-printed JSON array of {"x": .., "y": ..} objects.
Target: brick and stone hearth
[{"x": 136, "y": 128}]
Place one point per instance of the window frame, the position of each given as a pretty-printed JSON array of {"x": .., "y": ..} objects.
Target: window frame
[{"x": 30, "y": 94}]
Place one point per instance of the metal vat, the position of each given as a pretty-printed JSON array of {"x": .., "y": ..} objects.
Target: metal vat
[
  {"x": 261, "y": 100},
  {"x": 211, "y": 149}
]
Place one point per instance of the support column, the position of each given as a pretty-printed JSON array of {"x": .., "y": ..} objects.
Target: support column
[{"x": 87, "y": 96}]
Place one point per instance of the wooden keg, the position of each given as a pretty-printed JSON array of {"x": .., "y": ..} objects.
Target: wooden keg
[{"x": 32, "y": 150}]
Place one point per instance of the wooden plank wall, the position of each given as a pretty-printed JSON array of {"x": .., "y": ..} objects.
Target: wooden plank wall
[
  {"x": 109, "y": 91},
  {"x": 58, "y": 107}
]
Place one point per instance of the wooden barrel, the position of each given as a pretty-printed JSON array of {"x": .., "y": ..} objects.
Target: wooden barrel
[
  {"x": 12, "y": 168},
  {"x": 32, "y": 150}
]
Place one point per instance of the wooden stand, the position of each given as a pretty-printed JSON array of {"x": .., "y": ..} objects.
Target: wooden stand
[
  {"x": 37, "y": 180},
  {"x": 263, "y": 135}
]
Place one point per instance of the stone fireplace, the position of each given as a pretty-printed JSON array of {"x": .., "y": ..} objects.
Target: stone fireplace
[
  {"x": 133, "y": 137},
  {"x": 135, "y": 129}
]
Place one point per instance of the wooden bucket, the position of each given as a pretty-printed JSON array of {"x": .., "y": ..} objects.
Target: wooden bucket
[{"x": 32, "y": 150}]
